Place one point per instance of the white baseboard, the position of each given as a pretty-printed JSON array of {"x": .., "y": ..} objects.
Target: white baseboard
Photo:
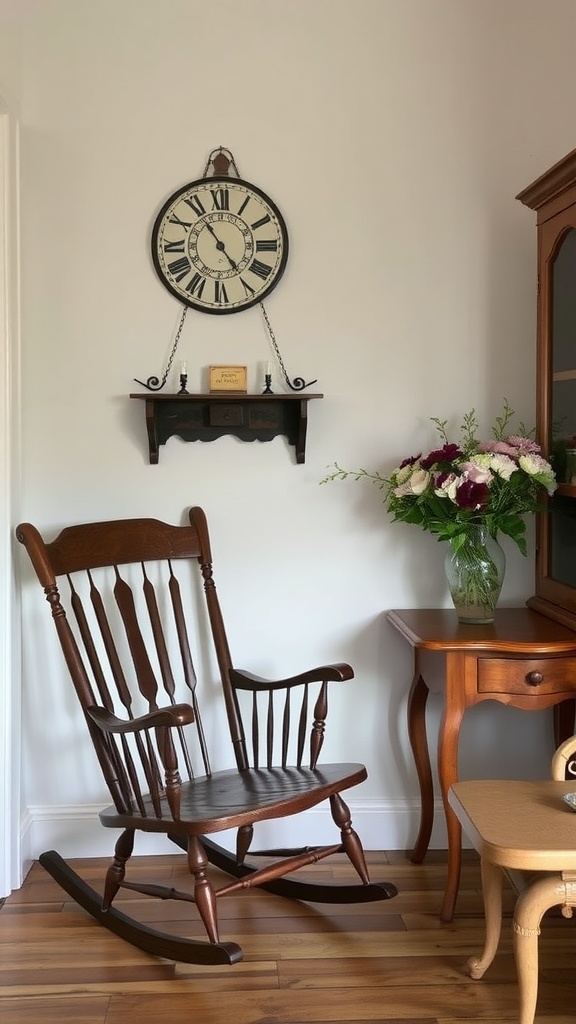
[{"x": 75, "y": 831}]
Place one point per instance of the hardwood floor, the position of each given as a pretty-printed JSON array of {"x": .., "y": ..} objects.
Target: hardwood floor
[{"x": 383, "y": 962}]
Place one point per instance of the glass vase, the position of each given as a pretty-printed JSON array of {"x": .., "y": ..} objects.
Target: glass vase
[{"x": 475, "y": 571}]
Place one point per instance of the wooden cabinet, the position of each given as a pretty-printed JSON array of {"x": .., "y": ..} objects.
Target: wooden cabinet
[{"x": 553, "y": 197}]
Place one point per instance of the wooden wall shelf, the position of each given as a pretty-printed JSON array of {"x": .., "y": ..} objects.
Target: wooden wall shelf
[{"x": 206, "y": 417}]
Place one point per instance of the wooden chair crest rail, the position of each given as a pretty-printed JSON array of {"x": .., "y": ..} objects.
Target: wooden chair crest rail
[{"x": 129, "y": 608}]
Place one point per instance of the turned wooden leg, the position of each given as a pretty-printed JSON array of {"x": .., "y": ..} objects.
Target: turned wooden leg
[
  {"x": 350, "y": 840},
  {"x": 117, "y": 870},
  {"x": 243, "y": 840},
  {"x": 530, "y": 908},
  {"x": 204, "y": 895},
  {"x": 492, "y": 894}
]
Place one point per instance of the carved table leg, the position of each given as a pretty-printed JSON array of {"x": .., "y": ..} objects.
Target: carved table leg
[
  {"x": 419, "y": 743},
  {"x": 530, "y": 908},
  {"x": 492, "y": 879}
]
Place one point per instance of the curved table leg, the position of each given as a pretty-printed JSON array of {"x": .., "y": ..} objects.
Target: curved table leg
[
  {"x": 419, "y": 742},
  {"x": 530, "y": 908},
  {"x": 454, "y": 707},
  {"x": 492, "y": 894}
]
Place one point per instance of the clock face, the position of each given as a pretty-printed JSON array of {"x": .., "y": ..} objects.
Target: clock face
[{"x": 219, "y": 245}]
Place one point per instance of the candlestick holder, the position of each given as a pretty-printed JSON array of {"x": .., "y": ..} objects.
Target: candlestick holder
[
  {"x": 183, "y": 381},
  {"x": 267, "y": 382}
]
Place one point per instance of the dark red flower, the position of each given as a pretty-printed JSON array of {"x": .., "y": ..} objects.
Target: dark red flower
[
  {"x": 441, "y": 477},
  {"x": 471, "y": 495},
  {"x": 410, "y": 461},
  {"x": 448, "y": 453}
]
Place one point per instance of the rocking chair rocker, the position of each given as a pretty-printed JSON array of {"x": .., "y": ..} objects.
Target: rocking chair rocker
[{"x": 125, "y": 638}]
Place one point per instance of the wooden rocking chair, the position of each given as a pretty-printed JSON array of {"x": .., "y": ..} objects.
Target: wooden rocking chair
[{"x": 128, "y": 587}]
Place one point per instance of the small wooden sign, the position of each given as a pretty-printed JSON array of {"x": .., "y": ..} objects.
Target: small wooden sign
[{"x": 228, "y": 378}]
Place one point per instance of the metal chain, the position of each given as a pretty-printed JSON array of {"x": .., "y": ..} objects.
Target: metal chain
[
  {"x": 153, "y": 383},
  {"x": 175, "y": 345},
  {"x": 298, "y": 384},
  {"x": 272, "y": 337}
]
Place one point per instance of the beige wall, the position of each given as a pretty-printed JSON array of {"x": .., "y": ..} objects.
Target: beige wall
[{"x": 394, "y": 135}]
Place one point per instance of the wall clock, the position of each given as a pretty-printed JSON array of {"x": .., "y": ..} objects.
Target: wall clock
[{"x": 219, "y": 244}]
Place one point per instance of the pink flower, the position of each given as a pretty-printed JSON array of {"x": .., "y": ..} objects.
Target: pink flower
[
  {"x": 499, "y": 447},
  {"x": 477, "y": 474},
  {"x": 514, "y": 445},
  {"x": 524, "y": 445}
]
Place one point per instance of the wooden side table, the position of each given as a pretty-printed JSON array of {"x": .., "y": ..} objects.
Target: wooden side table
[{"x": 522, "y": 659}]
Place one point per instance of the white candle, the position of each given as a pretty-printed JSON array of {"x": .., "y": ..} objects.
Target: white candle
[
  {"x": 184, "y": 369},
  {"x": 268, "y": 369}
]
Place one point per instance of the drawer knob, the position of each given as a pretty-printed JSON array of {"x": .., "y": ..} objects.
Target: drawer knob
[{"x": 534, "y": 678}]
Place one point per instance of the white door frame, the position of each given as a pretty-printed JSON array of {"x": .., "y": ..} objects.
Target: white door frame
[{"x": 10, "y": 677}]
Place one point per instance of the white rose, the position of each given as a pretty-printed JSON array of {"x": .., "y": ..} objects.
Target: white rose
[{"x": 419, "y": 481}]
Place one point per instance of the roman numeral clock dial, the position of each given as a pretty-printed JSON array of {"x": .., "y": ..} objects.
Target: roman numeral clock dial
[{"x": 219, "y": 244}]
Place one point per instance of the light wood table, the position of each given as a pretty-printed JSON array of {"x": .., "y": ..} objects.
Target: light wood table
[
  {"x": 519, "y": 826},
  {"x": 522, "y": 659}
]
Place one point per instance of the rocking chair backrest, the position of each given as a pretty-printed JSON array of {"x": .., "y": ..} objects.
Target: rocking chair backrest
[
  {"x": 120, "y": 598},
  {"x": 124, "y": 600}
]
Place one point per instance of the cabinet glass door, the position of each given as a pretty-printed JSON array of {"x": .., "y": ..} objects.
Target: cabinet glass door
[{"x": 562, "y": 411}]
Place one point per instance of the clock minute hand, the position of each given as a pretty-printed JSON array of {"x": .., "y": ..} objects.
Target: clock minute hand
[{"x": 220, "y": 246}]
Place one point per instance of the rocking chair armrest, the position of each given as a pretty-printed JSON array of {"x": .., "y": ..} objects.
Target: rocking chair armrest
[
  {"x": 324, "y": 673},
  {"x": 175, "y": 715}
]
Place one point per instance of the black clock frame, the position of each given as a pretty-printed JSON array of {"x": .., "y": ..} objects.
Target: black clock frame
[{"x": 212, "y": 182}]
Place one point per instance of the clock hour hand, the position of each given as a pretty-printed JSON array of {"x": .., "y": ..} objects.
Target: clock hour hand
[{"x": 220, "y": 246}]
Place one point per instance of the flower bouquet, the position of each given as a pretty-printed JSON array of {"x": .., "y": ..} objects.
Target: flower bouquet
[{"x": 465, "y": 493}]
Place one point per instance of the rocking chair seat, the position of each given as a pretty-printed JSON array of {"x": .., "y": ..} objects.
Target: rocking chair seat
[{"x": 229, "y": 799}]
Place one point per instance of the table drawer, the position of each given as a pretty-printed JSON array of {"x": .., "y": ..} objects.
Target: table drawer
[{"x": 521, "y": 675}]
